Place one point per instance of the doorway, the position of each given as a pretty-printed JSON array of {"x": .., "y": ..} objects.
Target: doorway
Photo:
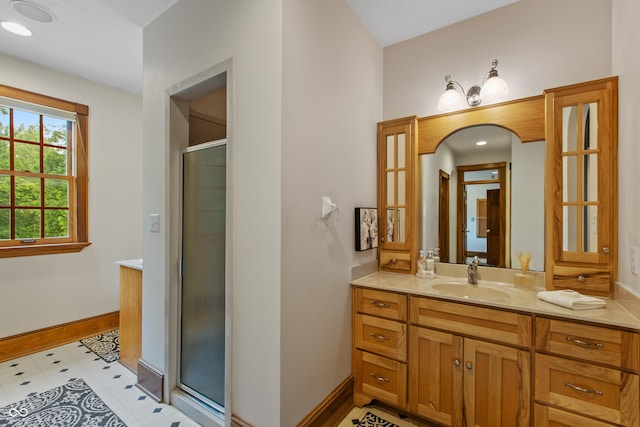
[
  {"x": 443, "y": 216},
  {"x": 199, "y": 354},
  {"x": 482, "y": 213}
]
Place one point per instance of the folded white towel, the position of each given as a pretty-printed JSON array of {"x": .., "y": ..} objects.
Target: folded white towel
[{"x": 571, "y": 299}]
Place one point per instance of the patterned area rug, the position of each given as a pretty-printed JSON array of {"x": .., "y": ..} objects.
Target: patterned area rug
[
  {"x": 372, "y": 420},
  {"x": 74, "y": 404},
  {"x": 106, "y": 345}
]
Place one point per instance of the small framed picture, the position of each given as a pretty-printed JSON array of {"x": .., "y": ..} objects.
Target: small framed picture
[{"x": 366, "y": 228}]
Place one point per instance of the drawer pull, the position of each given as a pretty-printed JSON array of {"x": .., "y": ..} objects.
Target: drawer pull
[
  {"x": 582, "y": 389},
  {"x": 584, "y": 343},
  {"x": 381, "y": 304},
  {"x": 379, "y": 379},
  {"x": 379, "y": 337}
]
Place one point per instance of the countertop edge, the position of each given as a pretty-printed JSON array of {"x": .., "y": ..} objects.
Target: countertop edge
[
  {"x": 521, "y": 299},
  {"x": 135, "y": 263}
]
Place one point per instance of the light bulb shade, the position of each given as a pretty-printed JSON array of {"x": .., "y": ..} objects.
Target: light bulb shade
[
  {"x": 450, "y": 100},
  {"x": 494, "y": 88}
]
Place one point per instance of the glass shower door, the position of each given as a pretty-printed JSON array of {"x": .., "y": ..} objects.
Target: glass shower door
[{"x": 202, "y": 307}]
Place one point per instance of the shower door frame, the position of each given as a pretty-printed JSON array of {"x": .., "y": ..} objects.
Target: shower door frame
[{"x": 221, "y": 410}]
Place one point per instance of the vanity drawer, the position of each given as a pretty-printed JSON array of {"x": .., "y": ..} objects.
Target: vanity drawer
[
  {"x": 481, "y": 322},
  {"x": 380, "y": 303},
  {"x": 382, "y": 378},
  {"x": 400, "y": 262},
  {"x": 381, "y": 336},
  {"x": 548, "y": 416},
  {"x": 592, "y": 343},
  {"x": 604, "y": 393},
  {"x": 593, "y": 281}
]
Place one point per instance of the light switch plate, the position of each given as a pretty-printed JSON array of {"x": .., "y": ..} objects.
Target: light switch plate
[{"x": 154, "y": 223}]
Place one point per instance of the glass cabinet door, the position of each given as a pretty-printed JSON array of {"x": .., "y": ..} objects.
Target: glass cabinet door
[
  {"x": 585, "y": 181},
  {"x": 395, "y": 203}
]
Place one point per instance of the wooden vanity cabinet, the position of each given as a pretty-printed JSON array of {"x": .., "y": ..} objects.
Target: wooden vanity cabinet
[
  {"x": 397, "y": 195},
  {"x": 587, "y": 373},
  {"x": 469, "y": 365},
  {"x": 379, "y": 347},
  {"x": 580, "y": 179}
]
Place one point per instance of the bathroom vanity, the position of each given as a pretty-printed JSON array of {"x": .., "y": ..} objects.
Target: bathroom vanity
[
  {"x": 492, "y": 354},
  {"x": 130, "y": 312}
]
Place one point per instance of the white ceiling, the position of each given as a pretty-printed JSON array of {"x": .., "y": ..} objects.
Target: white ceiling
[
  {"x": 101, "y": 40},
  {"x": 393, "y": 21}
]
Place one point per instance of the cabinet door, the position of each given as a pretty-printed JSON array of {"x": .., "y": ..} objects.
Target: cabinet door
[
  {"x": 397, "y": 194},
  {"x": 581, "y": 173},
  {"x": 496, "y": 385},
  {"x": 435, "y": 376}
]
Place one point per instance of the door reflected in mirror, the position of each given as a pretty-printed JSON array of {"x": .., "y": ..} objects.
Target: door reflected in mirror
[{"x": 485, "y": 200}]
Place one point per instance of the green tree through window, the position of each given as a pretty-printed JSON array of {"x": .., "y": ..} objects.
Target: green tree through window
[
  {"x": 43, "y": 174},
  {"x": 36, "y": 173}
]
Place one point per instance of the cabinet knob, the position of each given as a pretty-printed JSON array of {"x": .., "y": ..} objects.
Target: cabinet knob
[
  {"x": 456, "y": 362},
  {"x": 469, "y": 365},
  {"x": 580, "y": 278},
  {"x": 394, "y": 261},
  {"x": 382, "y": 240},
  {"x": 606, "y": 250}
]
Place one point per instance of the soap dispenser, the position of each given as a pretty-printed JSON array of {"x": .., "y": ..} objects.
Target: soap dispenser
[
  {"x": 422, "y": 265},
  {"x": 431, "y": 265}
]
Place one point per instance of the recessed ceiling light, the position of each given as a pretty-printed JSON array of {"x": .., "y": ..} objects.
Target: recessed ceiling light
[
  {"x": 33, "y": 11},
  {"x": 481, "y": 143},
  {"x": 15, "y": 28}
]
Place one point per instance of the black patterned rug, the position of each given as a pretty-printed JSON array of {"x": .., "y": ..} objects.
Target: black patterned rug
[
  {"x": 74, "y": 404},
  {"x": 372, "y": 420},
  {"x": 106, "y": 345}
]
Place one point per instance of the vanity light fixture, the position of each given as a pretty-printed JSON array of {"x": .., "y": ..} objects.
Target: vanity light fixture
[{"x": 493, "y": 87}]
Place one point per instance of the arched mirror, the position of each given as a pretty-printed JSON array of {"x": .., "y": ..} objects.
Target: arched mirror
[{"x": 482, "y": 194}]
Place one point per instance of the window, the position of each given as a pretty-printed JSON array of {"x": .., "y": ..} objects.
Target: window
[{"x": 43, "y": 174}]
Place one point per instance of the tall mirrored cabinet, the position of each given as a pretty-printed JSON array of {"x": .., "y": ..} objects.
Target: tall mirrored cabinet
[
  {"x": 397, "y": 195},
  {"x": 581, "y": 186}
]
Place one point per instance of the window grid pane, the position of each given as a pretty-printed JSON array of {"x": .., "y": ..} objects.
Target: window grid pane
[{"x": 34, "y": 149}]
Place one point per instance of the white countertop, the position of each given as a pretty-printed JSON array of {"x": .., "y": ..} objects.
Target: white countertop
[
  {"x": 131, "y": 263},
  {"x": 496, "y": 294}
]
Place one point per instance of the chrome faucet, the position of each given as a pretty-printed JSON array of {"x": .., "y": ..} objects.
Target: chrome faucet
[{"x": 472, "y": 271}]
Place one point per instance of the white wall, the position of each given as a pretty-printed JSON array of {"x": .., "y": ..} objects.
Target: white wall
[
  {"x": 332, "y": 99},
  {"x": 527, "y": 203},
  {"x": 539, "y": 44},
  {"x": 626, "y": 64},
  {"x": 193, "y": 36},
  {"x": 47, "y": 290}
]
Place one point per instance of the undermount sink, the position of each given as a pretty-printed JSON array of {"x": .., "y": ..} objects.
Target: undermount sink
[{"x": 478, "y": 292}]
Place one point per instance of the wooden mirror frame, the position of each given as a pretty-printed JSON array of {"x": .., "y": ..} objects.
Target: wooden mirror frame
[{"x": 525, "y": 117}]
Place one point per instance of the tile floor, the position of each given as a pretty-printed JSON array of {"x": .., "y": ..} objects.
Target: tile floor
[
  {"x": 112, "y": 382},
  {"x": 115, "y": 385}
]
